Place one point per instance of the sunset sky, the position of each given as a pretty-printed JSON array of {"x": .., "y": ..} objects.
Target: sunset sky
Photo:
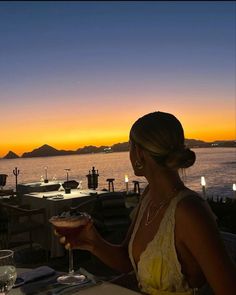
[{"x": 79, "y": 73}]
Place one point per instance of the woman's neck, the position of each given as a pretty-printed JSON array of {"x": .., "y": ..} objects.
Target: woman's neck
[{"x": 164, "y": 185}]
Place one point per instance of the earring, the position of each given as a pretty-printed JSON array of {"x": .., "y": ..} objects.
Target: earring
[{"x": 138, "y": 165}]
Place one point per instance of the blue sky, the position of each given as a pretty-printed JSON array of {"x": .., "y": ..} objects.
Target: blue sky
[{"x": 127, "y": 55}]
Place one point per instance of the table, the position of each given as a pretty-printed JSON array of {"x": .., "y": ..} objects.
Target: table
[
  {"x": 102, "y": 289},
  {"x": 105, "y": 288},
  {"x": 54, "y": 206}
]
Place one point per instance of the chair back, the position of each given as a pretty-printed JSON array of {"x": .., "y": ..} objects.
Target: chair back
[
  {"x": 230, "y": 243},
  {"x": 3, "y": 229},
  {"x": 110, "y": 212},
  {"x": 18, "y": 220},
  {"x": 3, "y": 179}
]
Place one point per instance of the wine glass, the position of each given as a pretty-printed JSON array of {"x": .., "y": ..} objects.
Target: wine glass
[
  {"x": 80, "y": 185},
  {"x": 69, "y": 226},
  {"x": 7, "y": 271}
]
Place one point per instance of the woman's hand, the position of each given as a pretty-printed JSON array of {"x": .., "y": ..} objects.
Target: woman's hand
[
  {"x": 84, "y": 240},
  {"x": 88, "y": 238}
]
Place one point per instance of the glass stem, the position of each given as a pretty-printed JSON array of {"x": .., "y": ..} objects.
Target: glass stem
[{"x": 71, "y": 262}]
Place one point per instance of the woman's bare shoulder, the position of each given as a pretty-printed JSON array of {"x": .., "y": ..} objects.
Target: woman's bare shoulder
[
  {"x": 196, "y": 231},
  {"x": 193, "y": 208}
]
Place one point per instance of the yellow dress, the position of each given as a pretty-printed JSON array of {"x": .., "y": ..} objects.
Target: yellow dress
[{"x": 159, "y": 271}]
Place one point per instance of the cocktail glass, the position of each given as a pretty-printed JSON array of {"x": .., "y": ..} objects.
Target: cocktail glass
[
  {"x": 7, "y": 271},
  {"x": 69, "y": 227}
]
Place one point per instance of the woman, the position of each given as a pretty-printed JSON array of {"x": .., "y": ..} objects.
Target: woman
[{"x": 173, "y": 244}]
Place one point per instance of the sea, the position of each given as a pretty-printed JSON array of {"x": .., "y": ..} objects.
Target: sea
[{"x": 217, "y": 165}]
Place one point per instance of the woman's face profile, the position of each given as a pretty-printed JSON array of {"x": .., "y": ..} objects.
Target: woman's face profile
[
  {"x": 132, "y": 154},
  {"x": 133, "y": 158}
]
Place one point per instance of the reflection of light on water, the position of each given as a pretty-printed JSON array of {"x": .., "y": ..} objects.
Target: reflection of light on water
[{"x": 216, "y": 164}]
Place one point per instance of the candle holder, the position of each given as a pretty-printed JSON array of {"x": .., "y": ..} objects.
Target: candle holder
[
  {"x": 16, "y": 172},
  {"x": 67, "y": 188},
  {"x": 92, "y": 179}
]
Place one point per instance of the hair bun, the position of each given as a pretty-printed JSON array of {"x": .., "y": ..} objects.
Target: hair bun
[{"x": 183, "y": 158}]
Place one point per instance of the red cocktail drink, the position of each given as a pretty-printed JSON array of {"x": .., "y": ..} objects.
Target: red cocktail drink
[
  {"x": 70, "y": 233},
  {"x": 69, "y": 225}
]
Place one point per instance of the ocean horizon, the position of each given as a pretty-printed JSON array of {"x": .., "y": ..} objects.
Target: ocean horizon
[
  {"x": 217, "y": 165},
  {"x": 46, "y": 150}
]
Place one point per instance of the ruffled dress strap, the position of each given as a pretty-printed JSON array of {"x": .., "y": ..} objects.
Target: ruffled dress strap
[{"x": 158, "y": 270}]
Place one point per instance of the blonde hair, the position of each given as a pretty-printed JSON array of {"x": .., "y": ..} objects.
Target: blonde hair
[{"x": 162, "y": 136}]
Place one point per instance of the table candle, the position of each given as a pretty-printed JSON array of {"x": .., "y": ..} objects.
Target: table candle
[
  {"x": 203, "y": 183},
  {"x": 234, "y": 190},
  {"x": 46, "y": 174},
  {"x": 127, "y": 183},
  {"x": 67, "y": 187}
]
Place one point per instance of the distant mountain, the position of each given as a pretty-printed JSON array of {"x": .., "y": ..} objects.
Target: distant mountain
[
  {"x": 191, "y": 143},
  {"x": 11, "y": 155},
  {"x": 120, "y": 147},
  {"x": 49, "y": 151}
]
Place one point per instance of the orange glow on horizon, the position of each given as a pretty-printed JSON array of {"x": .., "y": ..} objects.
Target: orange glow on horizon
[
  {"x": 63, "y": 142},
  {"x": 76, "y": 126}
]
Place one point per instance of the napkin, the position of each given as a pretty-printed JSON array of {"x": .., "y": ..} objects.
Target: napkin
[
  {"x": 36, "y": 274},
  {"x": 52, "y": 287}
]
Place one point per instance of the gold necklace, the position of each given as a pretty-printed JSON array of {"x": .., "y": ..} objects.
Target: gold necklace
[{"x": 161, "y": 205}]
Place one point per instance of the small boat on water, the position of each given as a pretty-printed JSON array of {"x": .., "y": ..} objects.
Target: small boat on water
[{"x": 108, "y": 150}]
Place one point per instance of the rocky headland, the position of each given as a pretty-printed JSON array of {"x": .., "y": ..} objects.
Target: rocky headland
[{"x": 49, "y": 151}]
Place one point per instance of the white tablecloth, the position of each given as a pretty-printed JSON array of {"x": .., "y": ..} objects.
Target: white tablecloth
[{"x": 54, "y": 207}]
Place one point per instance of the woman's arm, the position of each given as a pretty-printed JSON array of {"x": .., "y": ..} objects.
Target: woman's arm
[
  {"x": 115, "y": 256},
  {"x": 202, "y": 238}
]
